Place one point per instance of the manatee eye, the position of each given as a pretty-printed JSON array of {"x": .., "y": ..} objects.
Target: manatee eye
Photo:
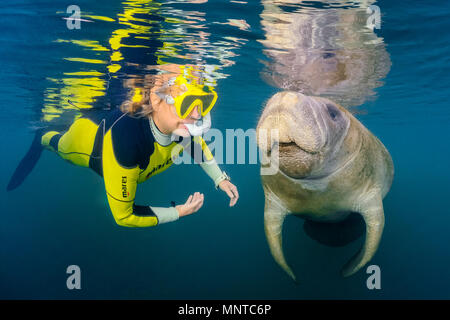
[
  {"x": 327, "y": 55},
  {"x": 332, "y": 111}
]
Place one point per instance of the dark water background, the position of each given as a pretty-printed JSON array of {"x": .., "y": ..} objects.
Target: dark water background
[{"x": 60, "y": 217}]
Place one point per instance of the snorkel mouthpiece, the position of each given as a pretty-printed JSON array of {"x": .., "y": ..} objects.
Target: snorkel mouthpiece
[{"x": 199, "y": 127}]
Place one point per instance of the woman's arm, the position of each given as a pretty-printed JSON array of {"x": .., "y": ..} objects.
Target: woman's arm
[{"x": 200, "y": 153}]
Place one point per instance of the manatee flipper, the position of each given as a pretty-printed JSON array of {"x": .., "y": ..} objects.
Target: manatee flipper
[
  {"x": 28, "y": 162},
  {"x": 274, "y": 215},
  {"x": 372, "y": 211},
  {"x": 336, "y": 234}
]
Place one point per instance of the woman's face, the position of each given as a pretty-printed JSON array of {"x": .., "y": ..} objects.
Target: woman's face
[{"x": 165, "y": 115}]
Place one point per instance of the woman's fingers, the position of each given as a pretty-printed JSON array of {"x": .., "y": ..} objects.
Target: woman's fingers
[
  {"x": 195, "y": 197},
  {"x": 235, "y": 191},
  {"x": 231, "y": 191},
  {"x": 236, "y": 195},
  {"x": 195, "y": 201},
  {"x": 228, "y": 192},
  {"x": 198, "y": 200},
  {"x": 233, "y": 201}
]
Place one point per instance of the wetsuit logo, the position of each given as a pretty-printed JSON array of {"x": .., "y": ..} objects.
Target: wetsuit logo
[
  {"x": 158, "y": 167},
  {"x": 125, "y": 193}
]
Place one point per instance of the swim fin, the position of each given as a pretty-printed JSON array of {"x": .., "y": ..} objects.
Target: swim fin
[{"x": 28, "y": 162}]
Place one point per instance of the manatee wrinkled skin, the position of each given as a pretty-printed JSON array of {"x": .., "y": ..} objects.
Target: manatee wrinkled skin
[{"x": 329, "y": 165}]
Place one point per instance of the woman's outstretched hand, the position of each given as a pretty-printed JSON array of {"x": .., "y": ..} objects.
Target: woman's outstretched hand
[
  {"x": 231, "y": 190},
  {"x": 193, "y": 203}
]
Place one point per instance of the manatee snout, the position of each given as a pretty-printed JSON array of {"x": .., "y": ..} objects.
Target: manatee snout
[
  {"x": 302, "y": 127},
  {"x": 295, "y": 120}
]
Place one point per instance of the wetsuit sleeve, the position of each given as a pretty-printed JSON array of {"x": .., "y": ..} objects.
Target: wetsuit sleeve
[
  {"x": 213, "y": 171},
  {"x": 120, "y": 185},
  {"x": 201, "y": 154}
]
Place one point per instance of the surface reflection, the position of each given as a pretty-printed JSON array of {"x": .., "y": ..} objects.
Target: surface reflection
[
  {"x": 323, "y": 48},
  {"x": 104, "y": 71}
]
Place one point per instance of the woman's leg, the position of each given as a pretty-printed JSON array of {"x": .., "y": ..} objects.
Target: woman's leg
[{"x": 76, "y": 144}]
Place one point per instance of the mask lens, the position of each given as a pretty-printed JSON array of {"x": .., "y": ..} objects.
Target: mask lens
[
  {"x": 207, "y": 103},
  {"x": 186, "y": 104}
]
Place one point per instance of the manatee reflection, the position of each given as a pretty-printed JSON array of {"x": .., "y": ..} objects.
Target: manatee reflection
[{"x": 327, "y": 51}]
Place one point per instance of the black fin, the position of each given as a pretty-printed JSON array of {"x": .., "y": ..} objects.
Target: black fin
[
  {"x": 28, "y": 162},
  {"x": 336, "y": 234}
]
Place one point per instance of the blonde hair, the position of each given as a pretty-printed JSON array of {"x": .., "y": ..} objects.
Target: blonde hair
[{"x": 138, "y": 103}]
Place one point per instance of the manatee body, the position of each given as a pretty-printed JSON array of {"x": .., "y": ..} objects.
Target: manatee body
[{"x": 328, "y": 164}]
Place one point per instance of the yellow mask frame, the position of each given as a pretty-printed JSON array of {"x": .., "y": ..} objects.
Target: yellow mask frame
[{"x": 194, "y": 95}]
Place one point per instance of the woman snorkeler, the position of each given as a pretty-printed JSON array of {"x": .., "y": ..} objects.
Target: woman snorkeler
[{"x": 140, "y": 139}]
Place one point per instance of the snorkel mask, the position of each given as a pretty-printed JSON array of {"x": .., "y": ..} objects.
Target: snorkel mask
[{"x": 193, "y": 95}]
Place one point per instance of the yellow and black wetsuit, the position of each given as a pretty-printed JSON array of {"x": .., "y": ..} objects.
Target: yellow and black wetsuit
[{"x": 125, "y": 151}]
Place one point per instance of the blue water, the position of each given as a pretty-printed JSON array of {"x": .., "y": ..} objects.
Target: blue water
[{"x": 60, "y": 217}]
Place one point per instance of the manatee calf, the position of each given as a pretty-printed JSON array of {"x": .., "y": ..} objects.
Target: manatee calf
[{"x": 329, "y": 165}]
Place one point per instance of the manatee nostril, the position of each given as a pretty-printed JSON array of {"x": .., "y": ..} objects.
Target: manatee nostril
[{"x": 332, "y": 111}]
